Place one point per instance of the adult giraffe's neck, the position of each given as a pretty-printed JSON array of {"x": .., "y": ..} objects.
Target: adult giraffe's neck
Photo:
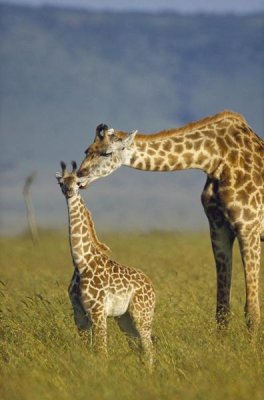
[
  {"x": 172, "y": 152},
  {"x": 197, "y": 145},
  {"x": 82, "y": 235}
]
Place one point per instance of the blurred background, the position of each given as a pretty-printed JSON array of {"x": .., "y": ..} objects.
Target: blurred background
[{"x": 68, "y": 65}]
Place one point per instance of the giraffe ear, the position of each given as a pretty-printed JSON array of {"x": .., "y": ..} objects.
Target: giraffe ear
[
  {"x": 118, "y": 144},
  {"x": 58, "y": 176},
  {"x": 130, "y": 138}
]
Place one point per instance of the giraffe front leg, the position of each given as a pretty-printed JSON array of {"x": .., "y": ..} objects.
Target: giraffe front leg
[
  {"x": 99, "y": 332},
  {"x": 222, "y": 238},
  {"x": 250, "y": 252}
]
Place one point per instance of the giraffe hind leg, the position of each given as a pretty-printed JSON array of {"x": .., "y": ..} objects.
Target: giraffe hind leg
[
  {"x": 249, "y": 243},
  {"x": 81, "y": 319},
  {"x": 127, "y": 326},
  {"x": 142, "y": 318},
  {"x": 144, "y": 329}
]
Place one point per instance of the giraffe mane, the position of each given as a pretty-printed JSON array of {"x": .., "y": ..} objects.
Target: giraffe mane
[
  {"x": 100, "y": 246},
  {"x": 186, "y": 128}
]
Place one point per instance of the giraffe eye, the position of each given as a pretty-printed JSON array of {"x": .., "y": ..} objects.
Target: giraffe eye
[{"x": 106, "y": 154}]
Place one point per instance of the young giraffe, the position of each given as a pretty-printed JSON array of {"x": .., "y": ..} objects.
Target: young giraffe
[
  {"x": 100, "y": 287},
  {"x": 232, "y": 156}
]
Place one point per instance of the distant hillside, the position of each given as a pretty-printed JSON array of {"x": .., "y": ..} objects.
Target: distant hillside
[{"x": 63, "y": 71}]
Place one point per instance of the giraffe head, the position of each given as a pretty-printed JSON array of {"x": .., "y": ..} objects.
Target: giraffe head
[
  {"x": 106, "y": 154},
  {"x": 69, "y": 182}
]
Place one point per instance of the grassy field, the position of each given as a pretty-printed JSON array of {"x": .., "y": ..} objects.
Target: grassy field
[{"x": 42, "y": 356}]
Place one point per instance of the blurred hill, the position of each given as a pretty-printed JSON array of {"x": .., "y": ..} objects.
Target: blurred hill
[{"x": 63, "y": 71}]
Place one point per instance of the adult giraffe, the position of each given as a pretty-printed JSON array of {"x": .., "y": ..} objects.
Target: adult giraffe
[{"x": 232, "y": 156}]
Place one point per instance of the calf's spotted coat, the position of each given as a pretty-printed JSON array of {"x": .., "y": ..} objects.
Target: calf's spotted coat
[{"x": 100, "y": 287}]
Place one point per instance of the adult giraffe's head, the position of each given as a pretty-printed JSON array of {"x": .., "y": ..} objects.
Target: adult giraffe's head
[{"x": 106, "y": 154}]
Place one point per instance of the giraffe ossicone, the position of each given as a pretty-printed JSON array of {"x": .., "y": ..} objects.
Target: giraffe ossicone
[
  {"x": 232, "y": 155},
  {"x": 101, "y": 287}
]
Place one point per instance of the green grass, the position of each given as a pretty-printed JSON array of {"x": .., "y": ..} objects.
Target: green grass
[{"x": 42, "y": 356}]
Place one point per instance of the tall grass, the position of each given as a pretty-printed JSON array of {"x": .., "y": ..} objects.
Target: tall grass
[{"x": 42, "y": 356}]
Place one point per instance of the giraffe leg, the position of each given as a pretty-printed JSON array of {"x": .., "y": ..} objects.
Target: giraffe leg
[
  {"x": 81, "y": 319},
  {"x": 99, "y": 331},
  {"x": 143, "y": 320},
  {"x": 144, "y": 329},
  {"x": 222, "y": 238},
  {"x": 127, "y": 325},
  {"x": 249, "y": 243}
]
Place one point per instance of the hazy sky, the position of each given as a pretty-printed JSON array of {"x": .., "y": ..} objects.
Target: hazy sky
[{"x": 238, "y": 6}]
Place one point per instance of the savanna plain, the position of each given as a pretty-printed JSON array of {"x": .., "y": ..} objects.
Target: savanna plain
[{"x": 43, "y": 357}]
